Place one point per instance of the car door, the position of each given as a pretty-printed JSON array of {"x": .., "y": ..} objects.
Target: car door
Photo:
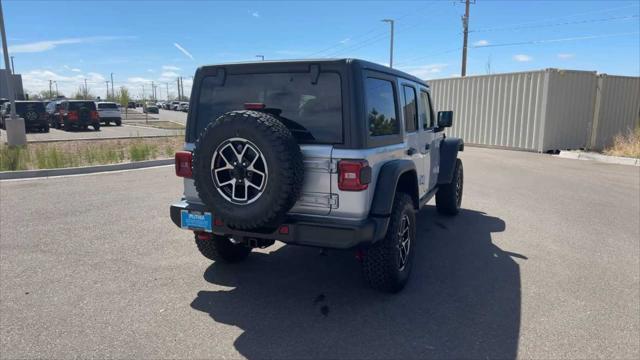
[
  {"x": 432, "y": 139},
  {"x": 415, "y": 139}
]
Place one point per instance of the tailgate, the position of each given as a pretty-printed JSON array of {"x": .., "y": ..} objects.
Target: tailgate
[{"x": 316, "y": 197}]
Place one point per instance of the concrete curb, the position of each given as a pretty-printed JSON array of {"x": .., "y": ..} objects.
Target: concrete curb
[
  {"x": 26, "y": 174},
  {"x": 579, "y": 155}
]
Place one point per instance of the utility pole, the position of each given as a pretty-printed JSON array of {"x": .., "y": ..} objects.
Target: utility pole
[
  {"x": 86, "y": 91},
  {"x": 465, "y": 28},
  {"x": 182, "y": 87},
  {"x": 112, "y": 92},
  {"x": 166, "y": 83},
  {"x": 14, "y": 126},
  {"x": 390, "y": 21},
  {"x": 13, "y": 68},
  {"x": 55, "y": 82},
  {"x": 178, "y": 80},
  {"x": 153, "y": 91},
  {"x": 107, "y": 83},
  {"x": 261, "y": 57},
  {"x": 50, "y": 91}
]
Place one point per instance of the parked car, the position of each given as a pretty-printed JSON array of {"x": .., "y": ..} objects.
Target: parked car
[
  {"x": 33, "y": 112},
  {"x": 131, "y": 105},
  {"x": 175, "y": 105},
  {"x": 108, "y": 112},
  {"x": 374, "y": 153},
  {"x": 166, "y": 105},
  {"x": 151, "y": 109},
  {"x": 3, "y": 100},
  {"x": 184, "y": 107},
  {"x": 76, "y": 114}
]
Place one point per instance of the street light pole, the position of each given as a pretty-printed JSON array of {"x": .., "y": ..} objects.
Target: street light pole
[
  {"x": 112, "y": 92},
  {"x": 55, "y": 82},
  {"x": 391, "y": 22},
  {"x": 15, "y": 127},
  {"x": 86, "y": 90}
]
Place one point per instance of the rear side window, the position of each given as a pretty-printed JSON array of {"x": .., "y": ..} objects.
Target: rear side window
[
  {"x": 381, "y": 107},
  {"x": 410, "y": 109},
  {"x": 107, "y": 106},
  {"x": 76, "y": 105},
  {"x": 426, "y": 115},
  {"x": 35, "y": 106},
  {"x": 313, "y": 112}
]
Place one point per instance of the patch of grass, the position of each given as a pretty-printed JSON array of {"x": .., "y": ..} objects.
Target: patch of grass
[
  {"x": 627, "y": 145},
  {"x": 86, "y": 152}
]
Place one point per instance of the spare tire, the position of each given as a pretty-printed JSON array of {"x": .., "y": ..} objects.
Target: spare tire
[{"x": 248, "y": 168}]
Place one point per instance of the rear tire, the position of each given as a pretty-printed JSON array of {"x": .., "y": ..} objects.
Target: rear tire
[
  {"x": 106, "y": 123},
  {"x": 221, "y": 248},
  {"x": 45, "y": 129},
  {"x": 118, "y": 122},
  {"x": 387, "y": 263},
  {"x": 96, "y": 126},
  {"x": 449, "y": 196}
]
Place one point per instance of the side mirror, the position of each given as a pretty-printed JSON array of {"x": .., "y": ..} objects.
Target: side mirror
[{"x": 445, "y": 119}]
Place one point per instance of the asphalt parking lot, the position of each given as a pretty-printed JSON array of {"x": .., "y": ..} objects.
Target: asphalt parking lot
[
  {"x": 544, "y": 262},
  {"x": 112, "y": 131}
]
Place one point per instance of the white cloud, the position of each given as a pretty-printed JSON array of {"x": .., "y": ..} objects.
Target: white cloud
[
  {"x": 255, "y": 14},
  {"x": 522, "y": 58},
  {"x": 481, "y": 43},
  {"x": 40, "y": 46},
  {"x": 72, "y": 69},
  {"x": 168, "y": 76},
  {"x": 566, "y": 56},
  {"x": 38, "y": 80},
  {"x": 344, "y": 41},
  {"x": 425, "y": 71},
  {"x": 183, "y": 50},
  {"x": 170, "y": 67},
  {"x": 138, "y": 80}
]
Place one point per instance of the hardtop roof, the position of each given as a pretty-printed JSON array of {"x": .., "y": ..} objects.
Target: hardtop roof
[{"x": 363, "y": 64}]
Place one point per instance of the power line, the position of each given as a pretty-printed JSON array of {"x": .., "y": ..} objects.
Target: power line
[
  {"x": 587, "y": 21},
  {"x": 564, "y": 16},
  {"x": 589, "y": 37}
]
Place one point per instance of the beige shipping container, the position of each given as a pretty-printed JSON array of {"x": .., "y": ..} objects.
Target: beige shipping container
[
  {"x": 540, "y": 111},
  {"x": 617, "y": 109}
]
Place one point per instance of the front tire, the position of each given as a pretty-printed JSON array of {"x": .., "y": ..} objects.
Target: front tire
[
  {"x": 387, "y": 263},
  {"x": 221, "y": 248},
  {"x": 449, "y": 196}
]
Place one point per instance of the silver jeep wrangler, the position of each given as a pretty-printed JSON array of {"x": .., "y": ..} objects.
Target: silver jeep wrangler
[{"x": 327, "y": 153}]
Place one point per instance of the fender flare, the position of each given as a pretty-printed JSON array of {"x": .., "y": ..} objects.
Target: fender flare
[
  {"x": 448, "y": 154},
  {"x": 387, "y": 183}
]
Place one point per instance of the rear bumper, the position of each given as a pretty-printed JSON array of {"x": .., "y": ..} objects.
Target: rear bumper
[
  {"x": 309, "y": 231},
  {"x": 110, "y": 118}
]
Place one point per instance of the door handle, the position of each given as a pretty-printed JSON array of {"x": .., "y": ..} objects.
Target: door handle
[{"x": 411, "y": 151}]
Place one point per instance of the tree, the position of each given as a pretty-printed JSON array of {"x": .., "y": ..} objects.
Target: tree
[
  {"x": 83, "y": 93},
  {"x": 123, "y": 98}
]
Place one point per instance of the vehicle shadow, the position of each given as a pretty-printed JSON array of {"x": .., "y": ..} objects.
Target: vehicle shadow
[{"x": 463, "y": 300}]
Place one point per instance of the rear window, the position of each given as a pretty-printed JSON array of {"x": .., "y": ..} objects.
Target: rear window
[
  {"x": 76, "y": 105},
  {"x": 31, "y": 106},
  {"x": 107, "y": 106},
  {"x": 313, "y": 112}
]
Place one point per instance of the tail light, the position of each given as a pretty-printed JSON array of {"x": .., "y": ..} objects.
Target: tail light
[
  {"x": 183, "y": 164},
  {"x": 353, "y": 175},
  {"x": 72, "y": 115},
  {"x": 94, "y": 115}
]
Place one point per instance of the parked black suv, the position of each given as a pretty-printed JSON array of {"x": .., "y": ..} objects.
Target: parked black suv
[
  {"x": 33, "y": 112},
  {"x": 76, "y": 114}
]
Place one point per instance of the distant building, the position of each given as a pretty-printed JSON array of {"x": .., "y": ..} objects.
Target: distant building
[{"x": 17, "y": 85}]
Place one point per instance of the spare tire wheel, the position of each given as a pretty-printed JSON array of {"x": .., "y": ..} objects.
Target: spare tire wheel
[{"x": 248, "y": 168}]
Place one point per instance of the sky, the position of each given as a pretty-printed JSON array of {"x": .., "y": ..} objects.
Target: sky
[{"x": 144, "y": 41}]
